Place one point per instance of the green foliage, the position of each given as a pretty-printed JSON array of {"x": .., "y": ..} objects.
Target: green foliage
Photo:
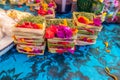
[
  {"x": 33, "y": 19},
  {"x": 84, "y": 5}
]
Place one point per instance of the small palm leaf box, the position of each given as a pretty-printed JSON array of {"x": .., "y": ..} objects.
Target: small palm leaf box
[
  {"x": 60, "y": 35},
  {"x": 88, "y": 25},
  {"x": 43, "y": 7},
  {"x": 17, "y": 2},
  {"x": 29, "y": 35},
  {"x": 3, "y": 2}
]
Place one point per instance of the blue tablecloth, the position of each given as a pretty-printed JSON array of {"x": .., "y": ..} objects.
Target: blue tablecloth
[{"x": 87, "y": 63}]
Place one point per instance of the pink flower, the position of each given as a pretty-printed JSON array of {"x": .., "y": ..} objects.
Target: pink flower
[
  {"x": 50, "y": 12},
  {"x": 97, "y": 21},
  {"x": 37, "y": 1},
  {"x": 116, "y": 3}
]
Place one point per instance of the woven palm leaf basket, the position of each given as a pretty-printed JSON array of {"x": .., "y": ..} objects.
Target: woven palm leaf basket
[
  {"x": 28, "y": 35},
  {"x": 87, "y": 31},
  {"x": 60, "y": 43}
]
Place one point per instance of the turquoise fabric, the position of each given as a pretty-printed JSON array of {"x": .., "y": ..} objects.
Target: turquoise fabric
[{"x": 87, "y": 63}]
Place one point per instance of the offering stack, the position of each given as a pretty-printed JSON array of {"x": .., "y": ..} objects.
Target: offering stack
[
  {"x": 88, "y": 25},
  {"x": 29, "y": 35},
  {"x": 61, "y": 35}
]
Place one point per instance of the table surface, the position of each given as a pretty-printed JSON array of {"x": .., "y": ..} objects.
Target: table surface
[{"x": 87, "y": 63}]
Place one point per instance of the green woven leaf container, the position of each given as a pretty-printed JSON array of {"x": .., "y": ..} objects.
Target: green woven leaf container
[{"x": 84, "y": 5}]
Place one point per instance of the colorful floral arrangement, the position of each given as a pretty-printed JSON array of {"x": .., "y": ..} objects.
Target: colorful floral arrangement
[
  {"x": 47, "y": 10},
  {"x": 59, "y": 31},
  {"x": 111, "y": 6},
  {"x": 89, "y": 25},
  {"x": 89, "y": 19},
  {"x": 30, "y": 25},
  {"x": 85, "y": 20},
  {"x": 60, "y": 36},
  {"x": 109, "y": 18},
  {"x": 28, "y": 35},
  {"x": 31, "y": 22},
  {"x": 86, "y": 39}
]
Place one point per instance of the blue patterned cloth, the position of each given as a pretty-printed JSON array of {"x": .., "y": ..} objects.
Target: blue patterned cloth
[{"x": 87, "y": 63}]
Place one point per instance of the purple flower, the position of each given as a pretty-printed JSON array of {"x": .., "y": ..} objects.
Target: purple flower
[
  {"x": 71, "y": 51},
  {"x": 60, "y": 34},
  {"x": 64, "y": 32},
  {"x": 36, "y": 50},
  {"x": 68, "y": 32}
]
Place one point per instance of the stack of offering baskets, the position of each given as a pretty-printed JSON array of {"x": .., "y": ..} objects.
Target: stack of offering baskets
[
  {"x": 88, "y": 25},
  {"x": 29, "y": 35},
  {"x": 61, "y": 35}
]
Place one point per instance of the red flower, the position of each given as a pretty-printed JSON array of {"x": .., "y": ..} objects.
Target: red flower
[
  {"x": 42, "y": 12},
  {"x": 91, "y": 31},
  {"x": 49, "y": 33},
  {"x": 60, "y": 51},
  {"x": 74, "y": 30},
  {"x": 64, "y": 43},
  {"x": 28, "y": 25},
  {"x": 89, "y": 40},
  {"x": 84, "y": 20},
  {"x": 53, "y": 28}
]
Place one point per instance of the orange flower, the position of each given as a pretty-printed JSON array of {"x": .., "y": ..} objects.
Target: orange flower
[
  {"x": 74, "y": 30},
  {"x": 28, "y": 49},
  {"x": 40, "y": 26},
  {"x": 84, "y": 20}
]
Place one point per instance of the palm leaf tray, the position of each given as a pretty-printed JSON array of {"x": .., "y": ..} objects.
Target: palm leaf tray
[
  {"x": 49, "y": 16},
  {"x": 55, "y": 44},
  {"x": 35, "y": 50},
  {"x": 90, "y": 16},
  {"x": 69, "y": 23},
  {"x": 31, "y": 31}
]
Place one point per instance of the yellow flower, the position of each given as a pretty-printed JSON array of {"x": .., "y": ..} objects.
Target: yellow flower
[
  {"x": 40, "y": 26},
  {"x": 108, "y": 51},
  {"x": 45, "y": 6},
  {"x": 84, "y": 20},
  {"x": 74, "y": 30},
  {"x": 104, "y": 14},
  {"x": 22, "y": 40},
  {"x": 101, "y": 1},
  {"x": 65, "y": 22},
  {"x": 106, "y": 44},
  {"x": 28, "y": 49}
]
